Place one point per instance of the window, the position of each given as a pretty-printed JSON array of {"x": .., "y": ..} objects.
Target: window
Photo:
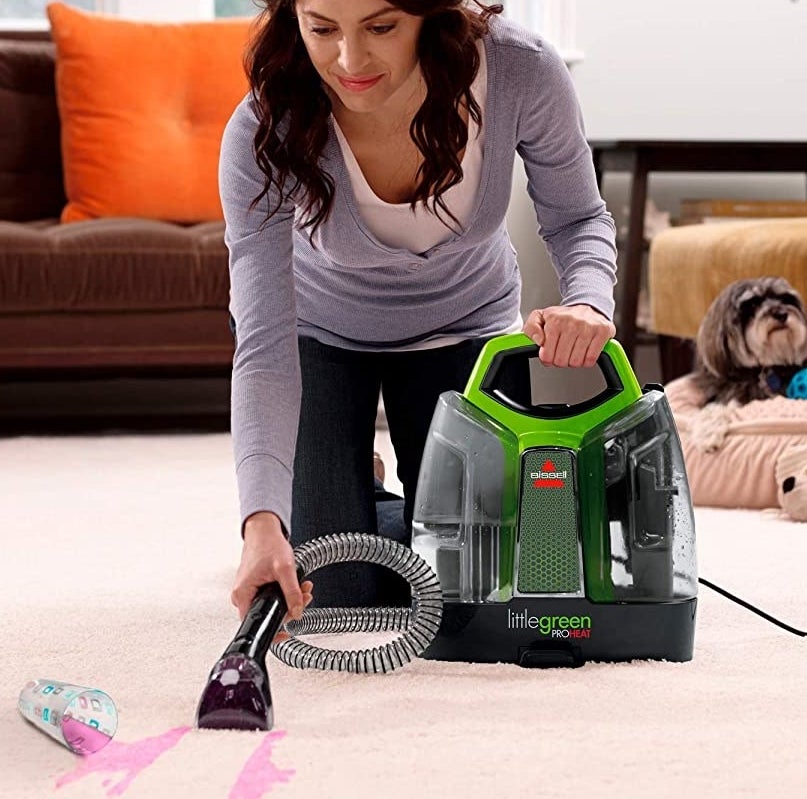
[
  {"x": 31, "y": 13},
  {"x": 235, "y": 8}
]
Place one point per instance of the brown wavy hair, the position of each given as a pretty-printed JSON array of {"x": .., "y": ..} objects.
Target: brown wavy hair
[{"x": 293, "y": 107}]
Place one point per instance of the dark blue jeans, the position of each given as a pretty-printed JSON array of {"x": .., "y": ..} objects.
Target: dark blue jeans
[{"x": 334, "y": 489}]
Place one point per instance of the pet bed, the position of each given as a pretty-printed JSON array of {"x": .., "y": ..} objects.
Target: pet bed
[{"x": 731, "y": 456}]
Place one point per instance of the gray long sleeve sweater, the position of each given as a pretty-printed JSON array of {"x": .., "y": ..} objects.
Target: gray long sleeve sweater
[{"x": 354, "y": 291}]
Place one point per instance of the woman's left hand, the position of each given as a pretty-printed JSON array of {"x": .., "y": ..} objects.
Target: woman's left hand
[{"x": 569, "y": 335}]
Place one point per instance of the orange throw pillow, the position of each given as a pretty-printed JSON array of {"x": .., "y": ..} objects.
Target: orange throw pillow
[{"x": 143, "y": 107}]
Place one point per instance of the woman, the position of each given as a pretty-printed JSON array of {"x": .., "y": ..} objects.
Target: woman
[{"x": 365, "y": 182}]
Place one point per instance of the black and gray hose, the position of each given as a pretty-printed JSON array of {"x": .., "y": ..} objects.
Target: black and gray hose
[{"x": 417, "y": 625}]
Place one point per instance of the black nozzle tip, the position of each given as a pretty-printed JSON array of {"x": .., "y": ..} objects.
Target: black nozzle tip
[
  {"x": 236, "y": 697},
  {"x": 235, "y": 719}
]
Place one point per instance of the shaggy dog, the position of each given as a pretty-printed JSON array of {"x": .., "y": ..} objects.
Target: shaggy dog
[{"x": 751, "y": 342}]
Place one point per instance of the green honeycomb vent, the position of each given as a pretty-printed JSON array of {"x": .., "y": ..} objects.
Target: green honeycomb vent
[{"x": 549, "y": 561}]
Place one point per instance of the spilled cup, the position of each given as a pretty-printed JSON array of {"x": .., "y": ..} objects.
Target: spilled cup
[{"x": 82, "y": 719}]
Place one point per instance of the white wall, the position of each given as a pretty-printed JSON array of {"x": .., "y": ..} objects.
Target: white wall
[
  {"x": 688, "y": 69},
  {"x": 721, "y": 69},
  {"x": 165, "y": 10}
]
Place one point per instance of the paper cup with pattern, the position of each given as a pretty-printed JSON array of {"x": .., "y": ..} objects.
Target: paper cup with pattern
[{"x": 82, "y": 719}]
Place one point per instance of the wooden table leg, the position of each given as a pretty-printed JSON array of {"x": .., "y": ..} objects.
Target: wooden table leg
[
  {"x": 596, "y": 155},
  {"x": 632, "y": 275}
]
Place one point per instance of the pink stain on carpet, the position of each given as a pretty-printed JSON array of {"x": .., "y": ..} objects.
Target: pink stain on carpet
[
  {"x": 260, "y": 774},
  {"x": 131, "y": 758}
]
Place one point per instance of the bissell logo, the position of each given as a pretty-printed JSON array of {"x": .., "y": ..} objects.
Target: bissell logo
[
  {"x": 548, "y": 477},
  {"x": 553, "y": 626}
]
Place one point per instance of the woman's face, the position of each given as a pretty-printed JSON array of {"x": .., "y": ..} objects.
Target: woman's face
[{"x": 364, "y": 50}]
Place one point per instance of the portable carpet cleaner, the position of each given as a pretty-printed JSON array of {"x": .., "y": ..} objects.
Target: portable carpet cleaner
[{"x": 544, "y": 535}]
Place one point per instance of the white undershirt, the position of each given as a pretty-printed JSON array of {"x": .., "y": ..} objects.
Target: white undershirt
[{"x": 396, "y": 224}]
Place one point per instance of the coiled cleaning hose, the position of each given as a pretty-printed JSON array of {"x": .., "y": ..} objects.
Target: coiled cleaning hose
[{"x": 417, "y": 625}]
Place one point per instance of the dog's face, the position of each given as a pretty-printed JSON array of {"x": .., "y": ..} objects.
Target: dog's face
[{"x": 753, "y": 323}]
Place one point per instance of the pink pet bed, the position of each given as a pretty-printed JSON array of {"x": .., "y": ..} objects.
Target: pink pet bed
[{"x": 741, "y": 472}]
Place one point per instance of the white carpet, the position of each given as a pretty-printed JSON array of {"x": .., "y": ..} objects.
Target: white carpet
[{"x": 117, "y": 558}]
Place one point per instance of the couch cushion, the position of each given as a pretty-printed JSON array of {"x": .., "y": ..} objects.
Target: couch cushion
[
  {"x": 116, "y": 339},
  {"x": 112, "y": 265},
  {"x": 143, "y": 107},
  {"x": 30, "y": 157}
]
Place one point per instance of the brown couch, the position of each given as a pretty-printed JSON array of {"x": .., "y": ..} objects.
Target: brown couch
[{"x": 113, "y": 295}]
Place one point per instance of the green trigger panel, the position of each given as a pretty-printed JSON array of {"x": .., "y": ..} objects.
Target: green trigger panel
[{"x": 549, "y": 560}]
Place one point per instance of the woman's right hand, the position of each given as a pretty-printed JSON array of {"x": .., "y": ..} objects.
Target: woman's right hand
[{"x": 267, "y": 557}]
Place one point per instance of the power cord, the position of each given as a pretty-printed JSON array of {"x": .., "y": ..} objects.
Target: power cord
[{"x": 750, "y": 607}]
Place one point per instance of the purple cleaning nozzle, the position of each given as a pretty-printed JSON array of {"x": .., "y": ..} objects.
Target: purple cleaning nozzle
[{"x": 237, "y": 694}]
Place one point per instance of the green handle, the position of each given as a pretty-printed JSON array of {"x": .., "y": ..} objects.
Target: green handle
[{"x": 622, "y": 388}]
